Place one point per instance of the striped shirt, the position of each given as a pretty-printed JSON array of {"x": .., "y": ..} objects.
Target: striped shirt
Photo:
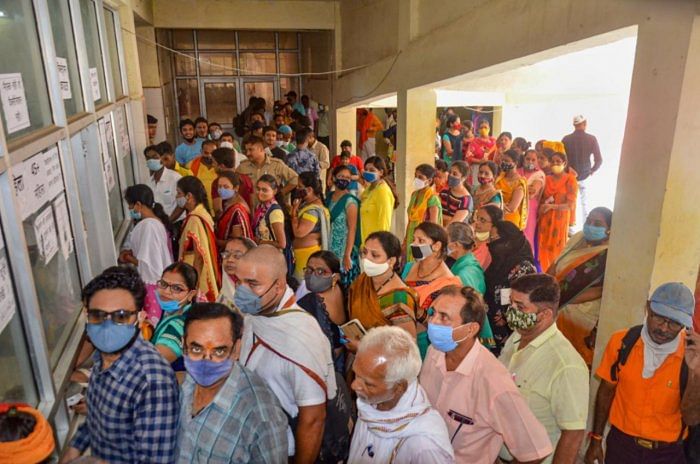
[
  {"x": 132, "y": 408},
  {"x": 244, "y": 423},
  {"x": 451, "y": 204}
]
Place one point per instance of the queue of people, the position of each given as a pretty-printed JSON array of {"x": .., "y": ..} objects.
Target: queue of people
[{"x": 257, "y": 316}]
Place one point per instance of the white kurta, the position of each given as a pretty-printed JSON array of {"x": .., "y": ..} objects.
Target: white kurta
[{"x": 148, "y": 242}]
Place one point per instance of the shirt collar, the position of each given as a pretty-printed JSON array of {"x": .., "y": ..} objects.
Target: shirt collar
[
  {"x": 541, "y": 338},
  {"x": 123, "y": 364},
  {"x": 466, "y": 367},
  {"x": 224, "y": 397}
]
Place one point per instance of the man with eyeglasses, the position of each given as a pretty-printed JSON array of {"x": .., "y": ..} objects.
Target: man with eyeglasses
[
  {"x": 227, "y": 413},
  {"x": 132, "y": 396},
  {"x": 649, "y": 385}
]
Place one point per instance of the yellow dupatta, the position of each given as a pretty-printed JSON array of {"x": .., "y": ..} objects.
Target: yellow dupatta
[
  {"x": 518, "y": 217},
  {"x": 198, "y": 248}
]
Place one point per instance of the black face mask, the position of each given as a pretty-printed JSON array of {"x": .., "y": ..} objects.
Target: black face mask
[{"x": 299, "y": 194}]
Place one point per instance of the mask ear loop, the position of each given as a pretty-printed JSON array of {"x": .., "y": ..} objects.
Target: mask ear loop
[{"x": 467, "y": 336}]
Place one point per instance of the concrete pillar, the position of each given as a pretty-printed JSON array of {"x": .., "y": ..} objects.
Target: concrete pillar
[
  {"x": 656, "y": 220},
  {"x": 345, "y": 128},
  {"x": 415, "y": 140}
]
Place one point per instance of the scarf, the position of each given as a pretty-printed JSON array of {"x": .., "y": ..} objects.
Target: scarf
[
  {"x": 260, "y": 212},
  {"x": 35, "y": 447},
  {"x": 510, "y": 249},
  {"x": 654, "y": 353},
  {"x": 385, "y": 431},
  {"x": 294, "y": 333}
]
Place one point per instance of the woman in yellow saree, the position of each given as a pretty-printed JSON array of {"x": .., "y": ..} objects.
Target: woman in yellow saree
[
  {"x": 197, "y": 239},
  {"x": 580, "y": 271},
  {"x": 513, "y": 186},
  {"x": 424, "y": 206}
]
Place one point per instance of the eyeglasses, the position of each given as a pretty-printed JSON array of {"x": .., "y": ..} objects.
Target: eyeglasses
[
  {"x": 660, "y": 320},
  {"x": 119, "y": 317},
  {"x": 317, "y": 272},
  {"x": 196, "y": 352},
  {"x": 174, "y": 288},
  {"x": 231, "y": 254}
]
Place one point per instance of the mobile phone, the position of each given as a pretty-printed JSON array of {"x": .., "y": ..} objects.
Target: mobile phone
[
  {"x": 688, "y": 340},
  {"x": 353, "y": 329},
  {"x": 74, "y": 399}
]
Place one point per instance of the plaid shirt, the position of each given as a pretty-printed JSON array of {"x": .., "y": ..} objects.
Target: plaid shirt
[
  {"x": 132, "y": 409},
  {"x": 302, "y": 160},
  {"x": 244, "y": 423}
]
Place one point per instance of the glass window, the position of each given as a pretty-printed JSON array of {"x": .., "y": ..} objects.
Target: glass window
[
  {"x": 260, "y": 40},
  {"x": 289, "y": 63},
  {"x": 264, "y": 89},
  {"x": 14, "y": 357},
  {"x": 221, "y": 101},
  {"x": 183, "y": 39},
  {"x": 185, "y": 64},
  {"x": 216, "y": 40},
  {"x": 20, "y": 56},
  {"x": 64, "y": 42},
  {"x": 49, "y": 236},
  {"x": 258, "y": 63},
  {"x": 92, "y": 43},
  {"x": 124, "y": 145},
  {"x": 188, "y": 98},
  {"x": 109, "y": 160},
  {"x": 110, "y": 31},
  {"x": 217, "y": 64},
  {"x": 289, "y": 83},
  {"x": 288, "y": 40}
]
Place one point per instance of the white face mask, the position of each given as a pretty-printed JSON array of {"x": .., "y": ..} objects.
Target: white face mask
[
  {"x": 419, "y": 184},
  {"x": 373, "y": 269}
]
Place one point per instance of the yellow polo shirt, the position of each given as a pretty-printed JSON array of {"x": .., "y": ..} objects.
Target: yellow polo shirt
[{"x": 553, "y": 378}]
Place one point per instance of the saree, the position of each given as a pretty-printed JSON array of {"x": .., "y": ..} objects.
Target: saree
[
  {"x": 486, "y": 195},
  {"x": 338, "y": 239},
  {"x": 417, "y": 211},
  {"x": 198, "y": 248},
  {"x": 579, "y": 268},
  {"x": 533, "y": 207},
  {"x": 519, "y": 216},
  {"x": 372, "y": 310},
  {"x": 554, "y": 224},
  {"x": 320, "y": 217},
  {"x": 234, "y": 215}
]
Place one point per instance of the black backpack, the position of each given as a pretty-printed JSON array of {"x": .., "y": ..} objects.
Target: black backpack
[{"x": 691, "y": 444}]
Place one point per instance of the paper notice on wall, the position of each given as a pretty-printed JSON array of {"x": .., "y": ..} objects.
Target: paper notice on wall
[
  {"x": 95, "y": 84},
  {"x": 52, "y": 176},
  {"x": 45, "y": 234},
  {"x": 109, "y": 133},
  {"x": 7, "y": 297},
  {"x": 109, "y": 174},
  {"x": 14, "y": 102},
  {"x": 63, "y": 78},
  {"x": 65, "y": 236},
  {"x": 102, "y": 136},
  {"x": 122, "y": 132}
]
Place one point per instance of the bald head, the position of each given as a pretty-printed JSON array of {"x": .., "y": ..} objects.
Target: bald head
[{"x": 266, "y": 260}]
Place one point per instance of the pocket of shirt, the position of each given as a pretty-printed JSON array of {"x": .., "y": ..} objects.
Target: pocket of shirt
[{"x": 667, "y": 400}]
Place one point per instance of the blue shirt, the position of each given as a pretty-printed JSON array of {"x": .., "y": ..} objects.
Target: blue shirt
[
  {"x": 132, "y": 409},
  {"x": 302, "y": 160},
  {"x": 244, "y": 423},
  {"x": 184, "y": 153},
  {"x": 353, "y": 183}
]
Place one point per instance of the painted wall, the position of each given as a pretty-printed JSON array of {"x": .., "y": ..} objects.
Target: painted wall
[{"x": 317, "y": 56}]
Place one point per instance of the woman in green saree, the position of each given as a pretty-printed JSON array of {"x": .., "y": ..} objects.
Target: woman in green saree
[{"x": 345, "y": 225}]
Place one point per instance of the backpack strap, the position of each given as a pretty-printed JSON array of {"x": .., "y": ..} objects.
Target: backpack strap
[{"x": 623, "y": 353}]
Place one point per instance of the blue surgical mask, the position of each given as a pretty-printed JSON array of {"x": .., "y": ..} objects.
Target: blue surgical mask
[
  {"x": 168, "y": 306},
  {"x": 370, "y": 176},
  {"x": 594, "y": 233},
  {"x": 226, "y": 194},
  {"x": 442, "y": 337},
  {"x": 109, "y": 337},
  {"x": 154, "y": 165},
  {"x": 135, "y": 215},
  {"x": 247, "y": 301},
  {"x": 205, "y": 372}
]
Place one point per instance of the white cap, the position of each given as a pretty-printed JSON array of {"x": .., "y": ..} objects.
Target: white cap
[{"x": 578, "y": 119}]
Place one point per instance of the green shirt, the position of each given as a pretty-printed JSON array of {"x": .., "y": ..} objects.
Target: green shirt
[{"x": 470, "y": 272}]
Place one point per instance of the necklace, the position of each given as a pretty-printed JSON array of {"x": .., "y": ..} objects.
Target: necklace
[
  {"x": 431, "y": 271},
  {"x": 384, "y": 283}
]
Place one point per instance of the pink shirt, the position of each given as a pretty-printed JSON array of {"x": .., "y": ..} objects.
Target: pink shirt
[{"x": 482, "y": 391}]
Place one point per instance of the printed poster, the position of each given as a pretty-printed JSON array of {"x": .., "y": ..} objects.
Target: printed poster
[
  {"x": 7, "y": 297},
  {"x": 45, "y": 234},
  {"x": 14, "y": 102},
  {"x": 37, "y": 180},
  {"x": 63, "y": 78},
  {"x": 65, "y": 236},
  {"x": 95, "y": 84}
]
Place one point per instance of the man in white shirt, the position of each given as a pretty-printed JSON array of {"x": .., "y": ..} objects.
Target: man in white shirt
[
  {"x": 163, "y": 182},
  {"x": 285, "y": 346},
  {"x": 395, "y": 421}
]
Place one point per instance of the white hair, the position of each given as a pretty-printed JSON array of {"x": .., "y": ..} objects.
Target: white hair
[{"x": 399, "y": 347}]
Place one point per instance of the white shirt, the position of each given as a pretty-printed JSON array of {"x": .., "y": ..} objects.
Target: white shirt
[
  {"x": 165, "y": 189},
  {"x": 149, "y": 243}
]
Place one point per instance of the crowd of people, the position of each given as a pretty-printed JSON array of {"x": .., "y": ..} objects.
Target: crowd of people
[{"x": 262, "y": 309}]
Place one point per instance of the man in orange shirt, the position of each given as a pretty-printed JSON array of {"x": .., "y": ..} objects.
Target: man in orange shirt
[
  {"x": 370, "y": 126},
  {"x": 650, "y": 385}
]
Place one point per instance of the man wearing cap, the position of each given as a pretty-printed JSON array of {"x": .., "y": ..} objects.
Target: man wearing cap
[
  {"x": 650, "y": 385},
  {"x": 579, "y": 146},
  {"x": 284, "y": 139}
]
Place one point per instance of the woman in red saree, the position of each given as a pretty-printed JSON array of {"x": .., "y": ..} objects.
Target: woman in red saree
[{"x": 234, "y": 221}]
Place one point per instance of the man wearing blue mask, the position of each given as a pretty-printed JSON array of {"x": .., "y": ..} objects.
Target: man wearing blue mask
[
  {"x": 132, "y": 396},
  {"x": 227, "y": 413},
  {"x": 471, "y": 390},
  {"x": 163, "y": 182},
  {"x": 285, "y": 346}
]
